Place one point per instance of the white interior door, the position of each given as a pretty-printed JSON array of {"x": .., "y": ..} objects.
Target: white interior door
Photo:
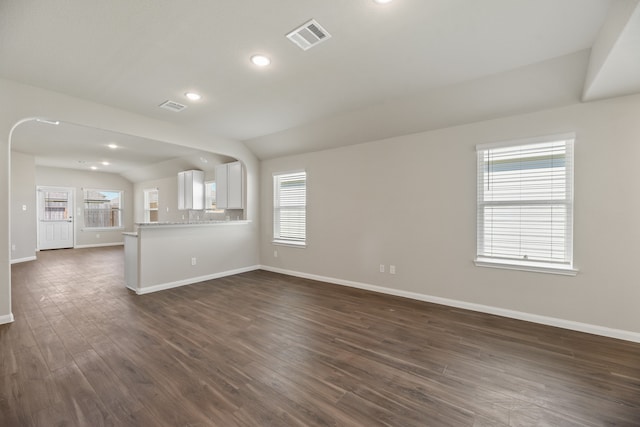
[{"x": 55, "y": 218}]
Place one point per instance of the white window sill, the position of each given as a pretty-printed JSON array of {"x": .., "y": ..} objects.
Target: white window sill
[
  {"x": 536, "y": 267},
  {"x": 290, "y": 243}
]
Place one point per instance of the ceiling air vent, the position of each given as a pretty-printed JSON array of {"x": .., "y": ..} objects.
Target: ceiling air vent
[
  {"x": 172, "y": 106},
  {"x": 308, "y": 35}
]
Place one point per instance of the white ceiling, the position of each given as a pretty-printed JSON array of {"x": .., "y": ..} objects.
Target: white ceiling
[
  {"x": 384, "y": 72},
  {"x": 72, "y": 146}
]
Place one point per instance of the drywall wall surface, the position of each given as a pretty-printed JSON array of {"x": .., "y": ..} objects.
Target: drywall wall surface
[
  {"x": 80, "y": 180},
  {"x": 23, "y": 207},
  {"x": 410, "y": 201},
  {"x": 167, "y": 199},
  {"x": 173, "y": 255},
  {"x": 19, "y": 102}
]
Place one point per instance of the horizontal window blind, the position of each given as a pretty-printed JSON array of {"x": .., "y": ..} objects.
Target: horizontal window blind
[
  {"x": 525, "y": 202},
  {"x": 290, "y": 207}
]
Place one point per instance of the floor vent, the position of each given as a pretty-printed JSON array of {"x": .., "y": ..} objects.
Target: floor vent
[
  {"x": 308, "y": 35},
  {"x": 172, "y": 106}
]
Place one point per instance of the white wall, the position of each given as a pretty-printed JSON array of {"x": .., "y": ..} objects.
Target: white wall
[
  {"x": 23, "y": 194},
  {"x": 167, "y": 199},
  {"x": 166, "y": 253},
  {"x": 79, "y": 180},
  {"x": 19, "y": 102},
  {"x": 410, "y": 201}
]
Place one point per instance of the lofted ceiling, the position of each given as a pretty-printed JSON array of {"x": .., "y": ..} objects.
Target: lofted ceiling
[
  {"x": 72, "y": 146},
  {"x": 402, "y": 67}
]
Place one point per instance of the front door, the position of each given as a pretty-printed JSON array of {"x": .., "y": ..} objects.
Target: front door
[{"x": 55, "y": 218}]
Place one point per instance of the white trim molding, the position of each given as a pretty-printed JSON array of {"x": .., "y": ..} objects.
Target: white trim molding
[
  {"x": 98, "y": 245},
  {"x": 19, "y": 260},
  {"x": 7, "y": 318},
  {"x": 192, "y": 280},
  {"x": 524, "y": 266},
  {"x": 513, "y": 314}
]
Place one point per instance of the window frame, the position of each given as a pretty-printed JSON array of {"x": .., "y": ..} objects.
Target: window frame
[
  {"x": 207, "y": 206},
  {"x": 278, "y": 239},
  {"x": 120, "y": 210},
  {"x": 147, "y": 209},
  {"x": 565, "y": 267}
]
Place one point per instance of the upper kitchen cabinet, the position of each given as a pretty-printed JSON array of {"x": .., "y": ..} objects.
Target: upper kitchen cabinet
[
  {"x": 191, "y": 190},
  {"x": 230, "y": 186}
]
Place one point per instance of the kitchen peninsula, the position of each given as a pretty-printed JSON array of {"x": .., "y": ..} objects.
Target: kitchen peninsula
[{"x": 164, "y": 255}]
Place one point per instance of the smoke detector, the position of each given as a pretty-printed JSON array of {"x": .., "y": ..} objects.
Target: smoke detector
[
  {"x": 172, "y": 106},
  {"x": 308, "y": 35}
]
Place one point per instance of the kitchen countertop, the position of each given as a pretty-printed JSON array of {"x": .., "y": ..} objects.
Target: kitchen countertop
[{"x": 189, "y": 223}]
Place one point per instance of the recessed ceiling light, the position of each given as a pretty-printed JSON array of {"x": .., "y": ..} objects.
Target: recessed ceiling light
[
  {"x": 260, "y": 60},
  {"x": 193, "y": 96},
  {"x": 112, "y": 146},
  {"x": 382, "y": 1},
  {"x": 94, "y": 168},
  {"x": 105, "y": 163}
]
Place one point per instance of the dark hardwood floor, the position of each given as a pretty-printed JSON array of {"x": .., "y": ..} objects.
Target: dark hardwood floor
[{"x": 262, "y": 349}]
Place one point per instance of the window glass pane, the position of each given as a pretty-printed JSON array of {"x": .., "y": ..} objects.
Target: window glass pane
[
  {"x": 529, "y": 172},
  {"x": 525, "y": 202},
  {"x": 151, "y": 205},
  {"x": 210, "y": 195},
  {"x": 526, "y": 232},
  {"x": 102, "y": 209},
  {"x": 290, "y": 198},
  {"x": 56, "y": 205}
]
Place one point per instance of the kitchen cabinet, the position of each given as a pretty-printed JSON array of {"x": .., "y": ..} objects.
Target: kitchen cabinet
[
  {"x": 191, "y": 190},
  {"x": 230, "y": 186}
]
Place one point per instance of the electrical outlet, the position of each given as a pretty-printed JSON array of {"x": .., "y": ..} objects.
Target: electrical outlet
[
  {"x": 193, "y": 260},
  {"x": 392, "y": 269},
  {"x": 381, "y": 268},
  {"x": 275, "y": 253},
  {"x": 24, "y": 207}
]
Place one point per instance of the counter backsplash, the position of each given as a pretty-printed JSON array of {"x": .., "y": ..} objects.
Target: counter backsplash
[{"x": 232, "y": 214}]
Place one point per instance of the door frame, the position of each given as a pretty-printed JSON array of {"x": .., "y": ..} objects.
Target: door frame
[{"x": 39, "y": 208}]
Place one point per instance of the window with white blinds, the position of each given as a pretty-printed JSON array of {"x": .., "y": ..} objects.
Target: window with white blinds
[
  {"x": 525, "y": 203},
  {"x": 290, "y": 208}
]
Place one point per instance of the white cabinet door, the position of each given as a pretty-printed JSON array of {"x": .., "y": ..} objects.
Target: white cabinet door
[
  {"x": 191, "y": 190},
  {"x": 235, "y": 186},
  {"x": 181, "y": 191},
  {"x": 230, "y": 186},
  {"x": 221, "y": 187}
]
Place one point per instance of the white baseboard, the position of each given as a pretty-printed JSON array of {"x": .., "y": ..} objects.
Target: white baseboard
[
  {"x": 19, "y": 260},
  {"x": 191, "y": 280},
  {"x": 7, "y": 318},
  {"x": 98, "y": 245},
  {"x": 529, "y": 317}
]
